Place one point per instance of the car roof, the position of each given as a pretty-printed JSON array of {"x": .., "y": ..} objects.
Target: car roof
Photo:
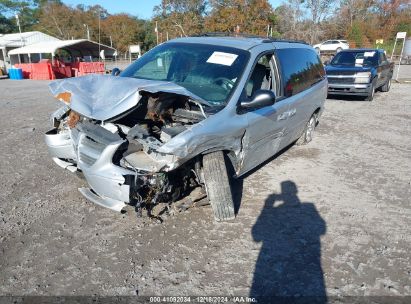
[
  {"x": 240, "y": 42},
  {"x": 362, "y": 50}
]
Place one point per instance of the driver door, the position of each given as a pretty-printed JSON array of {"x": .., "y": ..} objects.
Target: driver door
[{"x": 267, "y": 125}]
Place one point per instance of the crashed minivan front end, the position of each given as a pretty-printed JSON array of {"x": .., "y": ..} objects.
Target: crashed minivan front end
[
  {"x": 139, "y": 138},
  {"x": 127, "y": 157}
]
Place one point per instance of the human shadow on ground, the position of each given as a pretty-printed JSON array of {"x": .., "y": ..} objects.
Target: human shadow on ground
[
  {"x": 237, "y": 184},
  {"x": 288, "y": 268}
]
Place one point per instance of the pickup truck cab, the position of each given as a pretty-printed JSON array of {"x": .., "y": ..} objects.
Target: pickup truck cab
[{"x": 359, "y": 72}]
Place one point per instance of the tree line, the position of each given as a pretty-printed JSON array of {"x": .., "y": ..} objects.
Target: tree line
[{"x": 359, "y": 21}]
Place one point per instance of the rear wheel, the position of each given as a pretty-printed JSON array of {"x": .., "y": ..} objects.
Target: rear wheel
[
  {"x": 217, "y": 184},
  {"x": 386, "y": 86},
  {"x": 308, "y": 133}
]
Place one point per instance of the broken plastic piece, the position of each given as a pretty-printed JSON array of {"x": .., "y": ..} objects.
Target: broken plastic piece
[
  {"x": 64, "y": 97},
  {"x": 73, "y": 119}
]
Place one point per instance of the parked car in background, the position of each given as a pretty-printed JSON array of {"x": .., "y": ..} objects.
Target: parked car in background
[
  {"x": 359, "y": 72},
  {"x": 182, "y": 115},
  {"x": 331, "y": 46}
]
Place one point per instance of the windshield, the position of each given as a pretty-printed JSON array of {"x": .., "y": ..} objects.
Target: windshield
[
  {"x": 208, "y": 71},
  {"x": 359, "y": 58}
]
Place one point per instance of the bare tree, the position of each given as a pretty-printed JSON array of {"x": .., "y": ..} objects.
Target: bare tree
[{"x": 318, "y": 10}]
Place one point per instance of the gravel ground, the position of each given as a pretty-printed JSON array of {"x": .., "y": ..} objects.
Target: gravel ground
[{"x": 330, "y": 218}]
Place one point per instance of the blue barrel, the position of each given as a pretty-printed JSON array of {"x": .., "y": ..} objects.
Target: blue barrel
[
  {"x": 16, "y": 74},
  {"x": 12, "y": 73}
]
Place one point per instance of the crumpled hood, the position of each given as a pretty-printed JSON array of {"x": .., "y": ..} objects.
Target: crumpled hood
[{"x": 102, "y": 97}]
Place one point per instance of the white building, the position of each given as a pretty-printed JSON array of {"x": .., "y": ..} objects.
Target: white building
[{"x": 17, "y": 40}]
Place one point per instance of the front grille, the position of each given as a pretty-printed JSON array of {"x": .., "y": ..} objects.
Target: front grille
[
  {"x": 345, "y": 73},
  {"x": 90, "y": 150},
  {"x": 341, "y": 80},
  {"x": 93, "y": 139}
]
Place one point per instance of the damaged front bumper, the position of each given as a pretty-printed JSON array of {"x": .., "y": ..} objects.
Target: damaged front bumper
[
  {"x": 94, "y": 159},
  {"x": 107, "y": 181},
  {"x": 97, "y": 153}
]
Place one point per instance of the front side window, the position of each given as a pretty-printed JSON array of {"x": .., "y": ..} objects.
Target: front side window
[
  {"x": 209, "y": 71},
  {"x": 263, "y": 76},
  {"x": 301, "y": 68},
  {"x": 383, "y": 59}
]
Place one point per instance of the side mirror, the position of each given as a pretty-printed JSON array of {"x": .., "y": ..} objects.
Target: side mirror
[
  {"x": 260, "y": 99},
  {"x": 115, "y": 72}
]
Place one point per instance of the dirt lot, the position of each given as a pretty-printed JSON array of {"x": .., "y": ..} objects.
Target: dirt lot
[{"x": 330, "y": 218}]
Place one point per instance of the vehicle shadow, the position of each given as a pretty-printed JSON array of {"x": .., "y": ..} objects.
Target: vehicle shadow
[
  {"x": 288, "y": 268},
  {"x": 346, "y": 97}
]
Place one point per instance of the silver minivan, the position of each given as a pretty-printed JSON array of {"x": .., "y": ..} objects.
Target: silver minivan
[{"x": 178, "y": 117}]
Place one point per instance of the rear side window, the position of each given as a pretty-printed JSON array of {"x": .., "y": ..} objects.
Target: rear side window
[{"x": 300, "y": 69}]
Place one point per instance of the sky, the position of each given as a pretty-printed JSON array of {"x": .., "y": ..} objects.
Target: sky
[{"x": 140, "y": 8}]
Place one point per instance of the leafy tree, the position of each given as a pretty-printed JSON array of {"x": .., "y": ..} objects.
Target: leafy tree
[
  {"x": 7, "y": 25},
  {"x": 177, "y": 18},
  {"x": 27, "y": 11},
  {"x": 124, "y": 30},
  {"x": 355, "y": 34},
  {"x": 251, "y": 16}
]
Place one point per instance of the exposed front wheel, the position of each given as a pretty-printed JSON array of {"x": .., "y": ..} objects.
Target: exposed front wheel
[
  {"x": 308, "y": 133},
  {"x": 217, "y": 184}
]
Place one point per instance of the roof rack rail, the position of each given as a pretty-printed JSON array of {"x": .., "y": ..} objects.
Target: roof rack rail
[
  {"x": 270, "y": 39},
  {"x": 245, "y": 35}
]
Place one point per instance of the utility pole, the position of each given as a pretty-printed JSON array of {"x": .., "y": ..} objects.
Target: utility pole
[
  {"x": 88, "y": 31},
  {"x": 156, "y": 30},
  {"x": 18, "y": 24},
  {"x": 99, "y": 40}
]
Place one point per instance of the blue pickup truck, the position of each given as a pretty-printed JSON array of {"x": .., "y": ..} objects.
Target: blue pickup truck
[{"x": 359, "y": 72}]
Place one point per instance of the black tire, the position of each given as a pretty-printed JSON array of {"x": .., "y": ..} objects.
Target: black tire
[
  {"x": 217, "y": 186},
  {"x": 371, "y": 94},
  {"x": 307, "y": 135},
  {"x": 386, "y": 86}
]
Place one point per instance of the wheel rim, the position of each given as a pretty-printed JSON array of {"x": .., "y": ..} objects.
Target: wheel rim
[{"x": 310, "y": 130}]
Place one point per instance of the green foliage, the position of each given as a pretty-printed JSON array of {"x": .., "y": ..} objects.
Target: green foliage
[
  {"x": 25, "y": 9},
  {"x": 7, "y": 25},
  {"x": 404, "y": 27},
  {"x": 355, "y": 34}
]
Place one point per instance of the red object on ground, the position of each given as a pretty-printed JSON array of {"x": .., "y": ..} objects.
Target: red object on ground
[
  {"x": 44, "y": 70},
  {"x": 85, "y": 68}
]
